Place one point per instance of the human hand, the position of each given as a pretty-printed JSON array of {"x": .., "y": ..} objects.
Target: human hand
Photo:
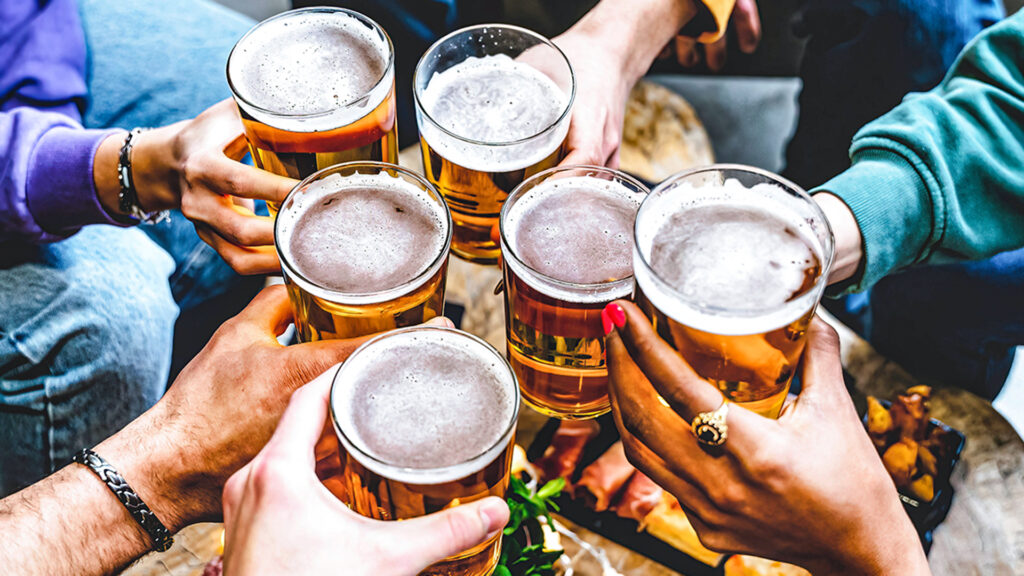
[
  {"x": 807, "y": 488},
  {"x": 220, "y": 411},
  {"x": 745, "y": 20},
  {"x": 279, "y": 518},
  {"x": 195, "y": 165},
  {"x": 602, "y": 89}
]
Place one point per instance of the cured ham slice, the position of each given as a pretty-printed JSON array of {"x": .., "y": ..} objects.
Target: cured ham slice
[
  {"x": 604, "y": 478},
  {"x": 639, "y": 497},
  {"x": 566, "y": 448}
]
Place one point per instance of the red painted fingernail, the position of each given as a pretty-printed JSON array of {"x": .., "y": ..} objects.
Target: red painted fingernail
[
  {"x": 616, "y": 314},
  {"x": 606, "y": 322}
]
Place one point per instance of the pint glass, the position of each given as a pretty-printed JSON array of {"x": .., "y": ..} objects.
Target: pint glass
[
  {"x": 315, "y": 87},
  {"x": 493, "y": 105},
  {"x": 425, "y": 418},
  {"x": 567, "y": 246},
  {"x": 730, "y": 263},
  {"x": 363, "y": 249}
]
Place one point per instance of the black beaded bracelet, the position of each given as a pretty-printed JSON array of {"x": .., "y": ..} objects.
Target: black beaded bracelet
[
  {"x": 128, "y": 197},
  {"x": 145, "y": 517}
]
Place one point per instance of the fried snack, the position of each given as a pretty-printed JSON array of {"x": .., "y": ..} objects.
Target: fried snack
[
  {"x": 926, "y": 461},
  {"x": 668, "y": 523},
  {"x": 921, "y": 390},
  {"x": 910, "y": 416},
  {"x": 923, "y": 488},
  {"x": 879, "y": 419},
  {"x": 901, "y": 461},
  {"x": 751, "y": 566}
]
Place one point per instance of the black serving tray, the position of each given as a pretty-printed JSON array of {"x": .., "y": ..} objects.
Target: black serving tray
[
  {"x": 927, "y": 516},
  {"x": 620, "y": 530}
]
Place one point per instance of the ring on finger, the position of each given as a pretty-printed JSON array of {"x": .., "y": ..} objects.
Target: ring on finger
[{"x": 710, "y": 428}]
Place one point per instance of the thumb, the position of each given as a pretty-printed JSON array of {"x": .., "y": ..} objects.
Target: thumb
[
  {"x": 822, "y": 371},
  {"x": 432, "y": 538}
]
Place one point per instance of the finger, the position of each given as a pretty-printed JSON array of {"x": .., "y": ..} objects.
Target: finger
[
  {"x": 227, "y": 176},
  {"x": 747, "y": 22},
  {"x": 686, "y": 51},
  {"x": 269, "y": 312},
  {"x": 822, "y": 371},
  {"x": 686, "y": 392},
  {"x": 583, "y": 157},
  {"x": 302, "y": 423},
  {"x": 429, "y": 539},
  {"x": 613, "y": 160},
  {"x": 715, "y": 54},
  {"x": 237, "y": 147},
  {"x": 245, "y": 260},
  {"x": 236, "y": 224},
  {"x": 440, "y": 321}
]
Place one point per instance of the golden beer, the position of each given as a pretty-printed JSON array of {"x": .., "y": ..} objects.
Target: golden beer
[
  {"x": 730, "y": 264},
  {"x": 567, "y": 245},
  {"x": 363, "y": 249},
  {"x": 425, "y": 419},
  {"x": 315, "y": 88},
  {"x": 493, "y": 105}
]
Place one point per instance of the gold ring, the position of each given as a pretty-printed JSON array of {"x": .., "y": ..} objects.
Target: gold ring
[{"x": 710, "y": 427}]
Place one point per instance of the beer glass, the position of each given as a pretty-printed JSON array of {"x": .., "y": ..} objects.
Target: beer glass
[
  {"x": 315, "y": 87},
  {"x": 567, "y": 247},
  {"x": 493, "y": 105},
  {"x": 363, "y": 249},
  {"x": 730, "y": 263},
  {"x": 426, "y": 418}
]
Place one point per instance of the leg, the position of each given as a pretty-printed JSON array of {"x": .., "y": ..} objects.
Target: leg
[
  {"x": 861, "y": 58},
  {"x": 85, "y": 336},
  {"x": 174, "y": 75},
  {"x": 956, "y": 324}
]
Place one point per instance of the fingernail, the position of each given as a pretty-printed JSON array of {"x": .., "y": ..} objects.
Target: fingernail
[
  {"x": 494, "y": 513},
  {"x": 606, "y": 322},
  {"x": 617, "y": 314},
  {"x": 440, "y": 321}
]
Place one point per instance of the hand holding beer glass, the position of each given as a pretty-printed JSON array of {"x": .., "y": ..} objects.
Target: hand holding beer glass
[
  {"x": 426, "y": 420},
  {"x": 566, "y": 244},
  {"x": 315, "y": 87},
  {"x": 493, "y": 106},
  {"x": 363, "y": 249},
  {"x": 730, "y": 264}
]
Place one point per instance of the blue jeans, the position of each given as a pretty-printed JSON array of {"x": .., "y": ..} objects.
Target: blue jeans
[
  {"x": 954, "y": 324},
  {"x": 87, "y": 325}
]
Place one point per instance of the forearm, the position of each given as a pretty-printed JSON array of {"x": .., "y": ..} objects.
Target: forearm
[
  {"x": 941, "y": 176},
  {"x": 848, "y": 251},
  {"x": 636, "y": 30},
  {"x": 70, "y": 523}
]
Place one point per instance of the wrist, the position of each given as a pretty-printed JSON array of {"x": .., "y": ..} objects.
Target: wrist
[
  {"x": 153, "y": 465},
  {"x": 848, "y": 243},
  {"x": 154, "y": 170},
  {"x": 633, "y": 32}
]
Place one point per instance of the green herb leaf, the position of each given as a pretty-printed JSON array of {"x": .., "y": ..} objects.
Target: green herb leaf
[{"x": 522, "y": 548}]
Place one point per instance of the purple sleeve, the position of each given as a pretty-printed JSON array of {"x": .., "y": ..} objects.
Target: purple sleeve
[{"x": 46, "y": 184}]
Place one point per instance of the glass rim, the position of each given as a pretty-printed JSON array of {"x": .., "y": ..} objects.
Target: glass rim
[
  {"x": 388, "y": 68},
  {"x": 359, "y": 298},
  {"x": 505, "y": 366},
  {"x": 827, "y": 244},
  {"x": 521, "y": 190},
  {"x": 543, "y": 40}
]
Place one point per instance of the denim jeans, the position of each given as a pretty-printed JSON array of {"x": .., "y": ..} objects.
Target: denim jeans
[
  {"x": 87, "y": 325},
  {"x": 955, "y": 324}
]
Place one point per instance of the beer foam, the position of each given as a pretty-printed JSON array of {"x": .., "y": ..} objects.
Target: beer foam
[
  {"x": 310, "y": 63},
  {"x": 361, "y": 234},
  {"x": 427, "y": 404},
  {"x": 742, "y": 251},
  {"x": 497, "y": 100},
  {"x": 577, "y": 229}
]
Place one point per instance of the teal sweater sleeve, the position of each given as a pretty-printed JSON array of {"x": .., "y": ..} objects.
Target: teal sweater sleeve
[{"x": 941, "y": 176}]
